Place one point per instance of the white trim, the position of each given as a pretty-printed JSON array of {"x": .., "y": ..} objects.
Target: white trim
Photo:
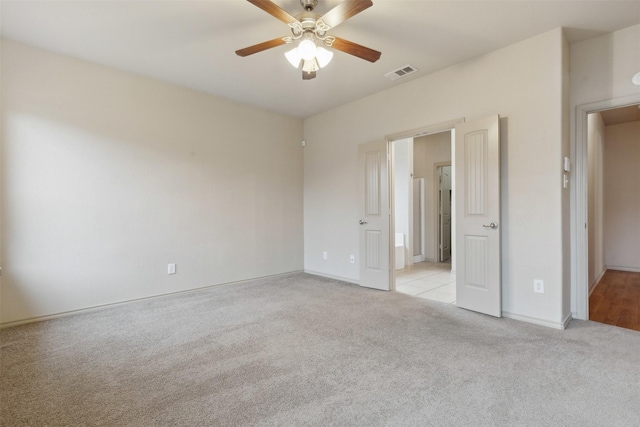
[
  {"x": 116, "y": 304},
  {"x": 421, "y": 190},
  {"x": 567, "y": 320},
  {"x": 579, "y": 206},
  {"x": 426, "y": 130},
  {"x": 593, "y": 285},
  {"x": 615, "y": 267},
  {"x": 537, "y": 321},
  {"x": 409, "y": 240},
  {"x": 331, "y": 276}
]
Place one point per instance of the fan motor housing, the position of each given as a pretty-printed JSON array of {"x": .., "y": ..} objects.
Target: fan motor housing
[
  {"x": 308, "y": 5},
  {"x": 308, "y": 20}
]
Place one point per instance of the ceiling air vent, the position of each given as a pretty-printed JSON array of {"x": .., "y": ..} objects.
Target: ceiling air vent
[{"x": 401, "y": 72}]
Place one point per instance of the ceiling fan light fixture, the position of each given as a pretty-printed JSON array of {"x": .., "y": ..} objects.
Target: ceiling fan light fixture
[
  {"x": 307, "y": 49},
  {"x": 293, "y": 56},
  {"x": 310, "y": 66},
  {"x": 310, "y": 31},
  {"x": 323, "y": 56}
]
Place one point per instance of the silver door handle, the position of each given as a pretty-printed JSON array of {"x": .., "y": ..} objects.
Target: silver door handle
[
  {"x": 493, "y": 225},
  {"x": 362, "y": 222}
]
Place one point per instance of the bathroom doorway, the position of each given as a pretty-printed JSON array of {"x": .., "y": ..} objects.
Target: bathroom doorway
[{"x": 423, "y": 215}]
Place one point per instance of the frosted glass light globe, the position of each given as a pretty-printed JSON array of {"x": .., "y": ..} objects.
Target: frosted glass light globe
[{"x": 307, "y": 50}]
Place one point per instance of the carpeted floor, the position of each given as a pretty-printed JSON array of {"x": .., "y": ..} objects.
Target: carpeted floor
[{"x": 303, "y": 350}]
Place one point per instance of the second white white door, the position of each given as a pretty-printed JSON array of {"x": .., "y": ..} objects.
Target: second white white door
[
  {"x": 478, "y": 264},
  {"x": 374, "y": 216}
]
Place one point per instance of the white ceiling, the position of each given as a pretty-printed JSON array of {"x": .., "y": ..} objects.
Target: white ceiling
[{"x": 192, "y": 43}]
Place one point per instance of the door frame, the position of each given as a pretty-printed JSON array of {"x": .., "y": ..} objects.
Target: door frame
[
  {"x": 421, "y": 192},
  {"x": 579, "y": 207},
  {"x": 412, "y": 133}
]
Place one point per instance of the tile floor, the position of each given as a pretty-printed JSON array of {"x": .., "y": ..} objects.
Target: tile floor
[{"x": 428, "y": 280}]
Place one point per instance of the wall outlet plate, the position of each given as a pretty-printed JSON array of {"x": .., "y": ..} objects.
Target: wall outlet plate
[
  {"x": 171, "y": 269},
  {"x": 352, "y": 259},
  {"x": 325, "y": 256},
  {"x": 538, "y": 286}
]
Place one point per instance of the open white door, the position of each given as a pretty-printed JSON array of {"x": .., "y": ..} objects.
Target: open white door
[
  {"x": 444, "y": 202},
  {"x": 477, "y": 151},
  {"x": 374, "y": 216}
]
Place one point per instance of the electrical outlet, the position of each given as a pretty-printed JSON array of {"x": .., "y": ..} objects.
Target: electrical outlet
[
  {"x": 325, "y": 256},
  {"x": 171, "y": 269},
  {"x": 352, "y": 259},
  {"x": 538, "y": 286}
]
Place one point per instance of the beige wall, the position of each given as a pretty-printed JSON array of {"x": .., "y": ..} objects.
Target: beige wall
[
  {"x": 429, "y": 150},
  {"x": 107, "y": 177},
  {"x": 402, "y": 186},
  {"x": 622, "y": 196},
  {"x": 602, "y": 67},
  {"x": 595, "y": 142},
  {"x": 524, "y": 84}
]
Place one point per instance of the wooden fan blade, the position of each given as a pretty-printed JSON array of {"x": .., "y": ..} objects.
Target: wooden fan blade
[
  {"x": 308, "y": 76},
  {"x": 260, "y": 47},
  {"x": 344, "y": 11},
  {"x": 356, "y": 50},
  {"x": 274, "y": 10}
]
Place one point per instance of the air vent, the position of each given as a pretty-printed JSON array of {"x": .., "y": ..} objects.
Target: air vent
[{"x": 401, "y": 72}]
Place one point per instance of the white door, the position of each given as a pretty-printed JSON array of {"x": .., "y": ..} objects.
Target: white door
[
  {"x": 375, "y": 266},
  {"x": 445, "y": 212},
  {"x": 477, "y": 151},
  {"x": 418, "y": 220}
]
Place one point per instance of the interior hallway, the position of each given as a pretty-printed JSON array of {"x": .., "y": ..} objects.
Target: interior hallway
[
  {"x": 433, "y": 281},
  {"x": 616, "y": 300}
]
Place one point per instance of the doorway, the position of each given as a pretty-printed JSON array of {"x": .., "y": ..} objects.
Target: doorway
[
  {"x": 583, "y": 234},
  {"x": 613, "y": 222},
  {"x": 422, "y": 212},
  {"x": 475, "y": 146}
]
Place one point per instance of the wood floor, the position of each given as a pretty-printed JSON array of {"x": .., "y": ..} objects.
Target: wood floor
[{"x": 616, "y": 300}]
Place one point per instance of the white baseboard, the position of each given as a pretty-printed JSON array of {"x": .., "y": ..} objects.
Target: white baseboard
[
  {"x": 418, "y": 258},
  {"x": 537, "y": 321},
  {"x": 595, "y": 282},
  {"x": 567, "y": 320},
  {"x": 616, "y": 267},
  {"x": 115, "y": 304},
  {"x": 331, "y": 276}
]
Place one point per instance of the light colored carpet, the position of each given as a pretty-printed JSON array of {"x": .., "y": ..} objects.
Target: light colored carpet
[{"x": 303, "y": 350}]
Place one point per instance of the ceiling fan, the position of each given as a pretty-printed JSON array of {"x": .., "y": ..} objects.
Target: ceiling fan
[{"x": 309, "y": 27}]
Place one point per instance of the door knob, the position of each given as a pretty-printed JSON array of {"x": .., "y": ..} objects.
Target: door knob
[
  {"x": 361, "y": 222},
  {"x": 492, "y": 226}
]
